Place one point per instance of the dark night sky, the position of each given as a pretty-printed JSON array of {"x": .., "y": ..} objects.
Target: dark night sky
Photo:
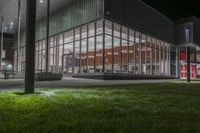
[{"x": 176, "y": 9}]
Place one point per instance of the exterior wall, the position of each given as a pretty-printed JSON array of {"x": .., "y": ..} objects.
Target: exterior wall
[{"x": 140, "y": 16}]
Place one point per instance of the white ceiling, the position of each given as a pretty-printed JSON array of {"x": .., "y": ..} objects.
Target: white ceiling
[{"x": 9, "y": 9}]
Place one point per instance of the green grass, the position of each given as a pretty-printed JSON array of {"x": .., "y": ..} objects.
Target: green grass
[{"x": 148, "y": 108}]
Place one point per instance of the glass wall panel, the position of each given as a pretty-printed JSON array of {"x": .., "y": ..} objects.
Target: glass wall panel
[
  {"x": 143, "y": 54},
  {"x": 131, "y": 51},
  {"x": 84, "y": 57},
  {"x": 116, "y": 30},
  {"x": 108, "y": 27},
  {"x": 108, "y": 54},
  {"x": 117, "y": 55},
  {"x": 157, "y": 55},
  {"x": 137, "y": 53},
  {"x": 68, "y": 60},
  {"x": 77, "y": 57},
  {"x": 162, "y": 58},
  {"x": 99, "y": 54},
  {"x": 84, "y": 32},
  {"x": 43, "y": 60},
  {"x": 68, "y": 36},
  {"x": 51, "y": 59},
  {"x": 131, "y": 57},
  {"x": 148, "y": 56},
  {"x": 91, "y": 55},
  {"x": 166, "y": 59},
  {"x": 91, "y": 29},
  {"x": 60, "y": 56},
  {"x": 124, "y": 50},
  {"x": 99, "y": 29},
  {"x": 124, "y": 32},
  {"x": 153, "y": 60}
]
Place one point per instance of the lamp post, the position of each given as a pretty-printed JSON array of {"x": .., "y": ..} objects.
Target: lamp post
[
  {"x": 1, "y": 45},
  {"x": 30, "y": 47},
  {"x": 18, "y": 34},
  {"x": 187, "y": 37}
]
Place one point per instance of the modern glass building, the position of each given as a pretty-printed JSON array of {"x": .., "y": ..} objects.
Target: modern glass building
[{"x": 112, "y": 40}]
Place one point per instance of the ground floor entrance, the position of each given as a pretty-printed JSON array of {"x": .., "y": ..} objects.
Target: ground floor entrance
[{"x": 194, "y": 71}]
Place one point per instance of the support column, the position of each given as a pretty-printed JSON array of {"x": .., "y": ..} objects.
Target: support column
[
  {"x": 1, "y": 47},
  {"x": 128, "y": 51},
  {"x": 151, "y": 61},
  {"x": 18, "y": 34},
  {"x": 104, "y": 46},
  {"x": 160, "y": 51},
  {"x": 146, "y": 40},
  {"x": 135, "y": 52},
  {"x": 30, "y": 47},
  {"x": 87, "y": 53},
  {"x": 188, "y": 64},
  {"x": 95, "y": 46},
  {"x": 121, "y": 61},
  {"x": 47, "y": 36},
  {"x": 140, "y": 53},
  {"x": 113, "y": 50},
  {"x": 178, "y": 62}
]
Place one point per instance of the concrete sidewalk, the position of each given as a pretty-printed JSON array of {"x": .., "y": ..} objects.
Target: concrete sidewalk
[{"x": 67, "y": 82}]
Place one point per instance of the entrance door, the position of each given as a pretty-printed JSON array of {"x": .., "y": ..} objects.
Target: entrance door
[
  {"x": 67, "y": 64},
  {"x": 193, "y": 71}
]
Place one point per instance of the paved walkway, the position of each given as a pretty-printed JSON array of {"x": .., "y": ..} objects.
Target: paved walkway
[{"x": 19, "y": 83}]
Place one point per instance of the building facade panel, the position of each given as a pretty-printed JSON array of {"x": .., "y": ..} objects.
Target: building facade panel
[{"x": 140, "y": 16}]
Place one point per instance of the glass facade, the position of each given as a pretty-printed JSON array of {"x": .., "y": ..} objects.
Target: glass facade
[{"x": 103, "y": 46}]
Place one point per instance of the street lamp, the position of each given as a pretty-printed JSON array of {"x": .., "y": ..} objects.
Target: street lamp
[{"x": 187, "y": 38}]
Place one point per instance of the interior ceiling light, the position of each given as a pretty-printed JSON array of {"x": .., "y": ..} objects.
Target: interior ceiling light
[
  {"x": 11, "y": 23},
  {"x": 41, "y": 1}
]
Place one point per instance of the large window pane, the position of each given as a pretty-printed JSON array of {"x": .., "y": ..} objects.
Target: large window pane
[
  {"x": 84, "y": 56},
  {"x": 91, "y": 55},
  {"x": 108, "y": 27},
  {"x": 137, "y": 54},
  {"x": 108, "y": 53},
  {"x": 77, "y": 57},
  {"x": 124, "y": 54},
  {"x": 131, "y": 57},
  {"x": 99, "y": 54},
  {"x": 143, "y": 54},
  {"x": 117, "y": 56}
]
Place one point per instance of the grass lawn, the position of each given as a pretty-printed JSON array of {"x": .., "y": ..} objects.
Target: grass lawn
[{"x": 147, "y": 108}]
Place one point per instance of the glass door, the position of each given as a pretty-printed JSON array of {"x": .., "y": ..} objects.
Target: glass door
[{"x": 67, "y": 64}]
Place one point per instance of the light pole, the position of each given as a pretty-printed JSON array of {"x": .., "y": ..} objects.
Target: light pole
[
  {"x": 187, "y": 37},
  {"x": 1, "y": 45},
  {"x": 30, "y": 47}
]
